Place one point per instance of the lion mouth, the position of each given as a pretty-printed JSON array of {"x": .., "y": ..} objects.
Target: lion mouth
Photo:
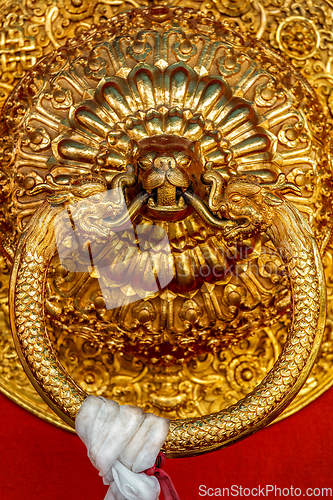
[{"x": 174, "y": 202}]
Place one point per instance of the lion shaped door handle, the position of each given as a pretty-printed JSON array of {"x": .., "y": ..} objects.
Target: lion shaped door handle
[{"x": 166, "y": 125}]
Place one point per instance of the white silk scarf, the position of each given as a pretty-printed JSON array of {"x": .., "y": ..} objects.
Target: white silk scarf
[{"x": 122, "y": 442}]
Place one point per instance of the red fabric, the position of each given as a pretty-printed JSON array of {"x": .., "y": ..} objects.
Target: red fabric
[
  {"x": 167, "y": 488},
  {"x": 40, "y": 462}
]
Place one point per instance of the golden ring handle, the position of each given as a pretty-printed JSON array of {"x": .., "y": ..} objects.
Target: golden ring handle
[{"x": 186, "y": 436}]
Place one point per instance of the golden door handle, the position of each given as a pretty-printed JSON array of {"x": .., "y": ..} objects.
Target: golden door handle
[
  {"x": 290, "y": 234},
  {"x": 173, "y": 116}
]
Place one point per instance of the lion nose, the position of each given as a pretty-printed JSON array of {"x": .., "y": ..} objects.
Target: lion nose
[
  {"x": 165, "y": 166},
  {"x": 165, "y": 163}
]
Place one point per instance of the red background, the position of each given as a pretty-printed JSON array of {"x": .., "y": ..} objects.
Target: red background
[{"x": 41, "y": 462}]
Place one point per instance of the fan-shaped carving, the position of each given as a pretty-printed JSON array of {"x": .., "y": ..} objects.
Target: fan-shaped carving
[{"x": 151, "y": 102}]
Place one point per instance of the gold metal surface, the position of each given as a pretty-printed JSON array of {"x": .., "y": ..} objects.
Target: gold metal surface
[{"x": 214, "y": 380}]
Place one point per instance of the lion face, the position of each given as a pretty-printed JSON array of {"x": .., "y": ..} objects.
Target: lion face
[{"x": 167, "y": 166}]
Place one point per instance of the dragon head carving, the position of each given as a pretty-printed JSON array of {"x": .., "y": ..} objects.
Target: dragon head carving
[{"x": 253, "y": 203}]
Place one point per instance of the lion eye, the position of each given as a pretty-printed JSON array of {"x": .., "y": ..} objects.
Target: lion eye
[
  {"x": 144, "y": 163},
  {"x": 235, "y": 198}
]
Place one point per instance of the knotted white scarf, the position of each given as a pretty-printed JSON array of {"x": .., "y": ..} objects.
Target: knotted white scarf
[{"x": 122, "y": 441}]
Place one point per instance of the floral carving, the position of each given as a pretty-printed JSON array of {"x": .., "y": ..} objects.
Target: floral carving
[{"x": 298, "y": 37}]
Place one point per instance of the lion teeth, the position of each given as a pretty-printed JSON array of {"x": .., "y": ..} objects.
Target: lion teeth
[
  {"x": 151, "y": 202},
  {"x": 181, "y": 202}
]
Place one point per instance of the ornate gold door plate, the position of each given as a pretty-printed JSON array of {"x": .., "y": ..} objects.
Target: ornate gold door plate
[{"x": 188, "y": 385}]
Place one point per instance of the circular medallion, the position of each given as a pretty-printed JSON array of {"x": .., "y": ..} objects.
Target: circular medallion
[{"x": 298, "y": 37}]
